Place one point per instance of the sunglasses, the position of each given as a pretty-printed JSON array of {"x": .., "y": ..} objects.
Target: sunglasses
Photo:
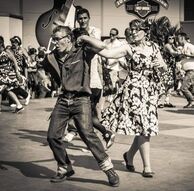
[
  {"x": 57, "y": 39},
  {"x": 170, "y": 38}
]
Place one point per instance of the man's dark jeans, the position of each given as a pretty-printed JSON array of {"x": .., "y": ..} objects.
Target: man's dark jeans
[
  {"x": 188, "y": 82},
  {"x": 78, "y": 108}
]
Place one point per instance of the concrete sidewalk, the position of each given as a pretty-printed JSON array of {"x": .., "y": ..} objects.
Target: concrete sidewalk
[{"x": 26, "y": 162}]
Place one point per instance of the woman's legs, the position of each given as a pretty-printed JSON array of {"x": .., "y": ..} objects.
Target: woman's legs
[
  {"x": 132, "y": 151},
  {"x": 144, "y": 148},
  {"x": 141, "y": 143},
  {"x": 15, "y": 99}
]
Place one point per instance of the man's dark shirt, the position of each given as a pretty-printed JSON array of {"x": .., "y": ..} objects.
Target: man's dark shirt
[{"x": 74, "y": 71}]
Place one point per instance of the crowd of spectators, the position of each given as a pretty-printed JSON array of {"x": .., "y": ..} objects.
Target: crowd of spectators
[{"x": 29, "y": 66}]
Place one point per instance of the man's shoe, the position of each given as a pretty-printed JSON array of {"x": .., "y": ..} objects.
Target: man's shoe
[
  {"x": 18, "y": 110},
  {"x": 109, "y": 138},
  {"x": 61, "y": 177},
  {"x": 69, "y": 137},
  {"x": 113, "y": 177},
  {"x": 189, "y": 105},
  {"x": 130, "y": 168}
]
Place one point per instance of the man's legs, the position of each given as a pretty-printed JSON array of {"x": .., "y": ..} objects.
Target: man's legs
[
  {"x": 186, "y": 84},
  {"x": 83, "y": 119},
  {"x": 107, "y": 135},
  {"x": 59, "y": 118}
]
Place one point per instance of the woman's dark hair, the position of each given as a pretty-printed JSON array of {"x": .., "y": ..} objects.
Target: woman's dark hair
[
  {"x": 2, "y": 41},
  {"x": 32, "y": 51},
  {"x": 41, "y": 54},
  {"x": 16, "y": 39},
  {"x": 138, "y": 23},
  {"x": 77, "y": 32}
]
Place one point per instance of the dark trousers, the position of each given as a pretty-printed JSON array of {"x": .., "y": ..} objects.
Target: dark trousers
[
  {"x": 79, "y": 109},
  {"x": 95, "y": 97},
  {"x": 188, "y": 82},
  {"x": 20, "y": 91}
]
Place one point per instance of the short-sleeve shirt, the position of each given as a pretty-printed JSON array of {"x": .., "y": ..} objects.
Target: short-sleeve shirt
[{"x": 75, "y": 70}]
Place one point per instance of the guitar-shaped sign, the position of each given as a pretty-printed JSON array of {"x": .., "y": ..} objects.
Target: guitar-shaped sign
[{"x": 50, "y": 19}]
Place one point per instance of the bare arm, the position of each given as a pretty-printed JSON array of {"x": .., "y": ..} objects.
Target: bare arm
[
  {"x": 171, "y": 50},
  {"x": 101, "y": 48}
]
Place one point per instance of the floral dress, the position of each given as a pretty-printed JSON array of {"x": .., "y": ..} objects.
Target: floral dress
[
  {"x": 134, "y": 108},
  {"x": 7, "y": 73},
  {"x": 168, "y": 77}
]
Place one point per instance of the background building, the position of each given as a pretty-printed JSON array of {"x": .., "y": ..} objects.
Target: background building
[{"x": 19, "y": 17}]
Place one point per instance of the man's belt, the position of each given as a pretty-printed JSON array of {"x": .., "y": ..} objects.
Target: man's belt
[{"x": 73, "y": 94}]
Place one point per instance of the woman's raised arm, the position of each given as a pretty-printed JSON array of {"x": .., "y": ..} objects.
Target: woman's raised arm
[{"x": 100, "y": 48}]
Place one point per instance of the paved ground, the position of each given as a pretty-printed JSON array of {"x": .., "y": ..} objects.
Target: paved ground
[{"x": 26, "y": 162}]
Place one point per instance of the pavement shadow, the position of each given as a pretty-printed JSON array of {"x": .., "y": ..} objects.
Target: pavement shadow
[
  {"x": 88, "y": 162},
  {"x": 28, "y": 169},
  {"x": 189, "y": 111},
  {"x": 84, "y": 161},
  {"x": 41, "y": 137},
  {"x": 35, "y": 136},
  {"x": 119, "y": 165},
  {"x": 85, "y": 180}
]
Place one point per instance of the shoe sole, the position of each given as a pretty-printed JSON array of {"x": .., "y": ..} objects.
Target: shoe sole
[
  {"x": 115, "y": 185},
  {"x": 19, "y": 110},
  {"x": 68, "y": 174}
]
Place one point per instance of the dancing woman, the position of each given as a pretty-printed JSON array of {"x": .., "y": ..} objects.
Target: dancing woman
[
  {"x": 9, "y": 75},
  {"x": 134, "y": 108}
]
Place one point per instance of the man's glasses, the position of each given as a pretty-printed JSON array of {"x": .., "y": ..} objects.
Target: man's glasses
[
  {"x": 57, "y": 39},
  {"x": 170, "y": 38}
]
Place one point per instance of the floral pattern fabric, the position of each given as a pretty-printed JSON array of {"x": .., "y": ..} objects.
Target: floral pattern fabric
[
  {"x": 134, "y": 108},
  {"x": 168, "y": 77},
  {"x": 7, "y": 72}
]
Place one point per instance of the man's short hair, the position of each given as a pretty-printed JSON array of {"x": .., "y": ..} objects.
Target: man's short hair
[
  {"x": 82, "y": 11},
  {"x": 62, "y": 28},
  {"x": 183, "y": 35}
]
